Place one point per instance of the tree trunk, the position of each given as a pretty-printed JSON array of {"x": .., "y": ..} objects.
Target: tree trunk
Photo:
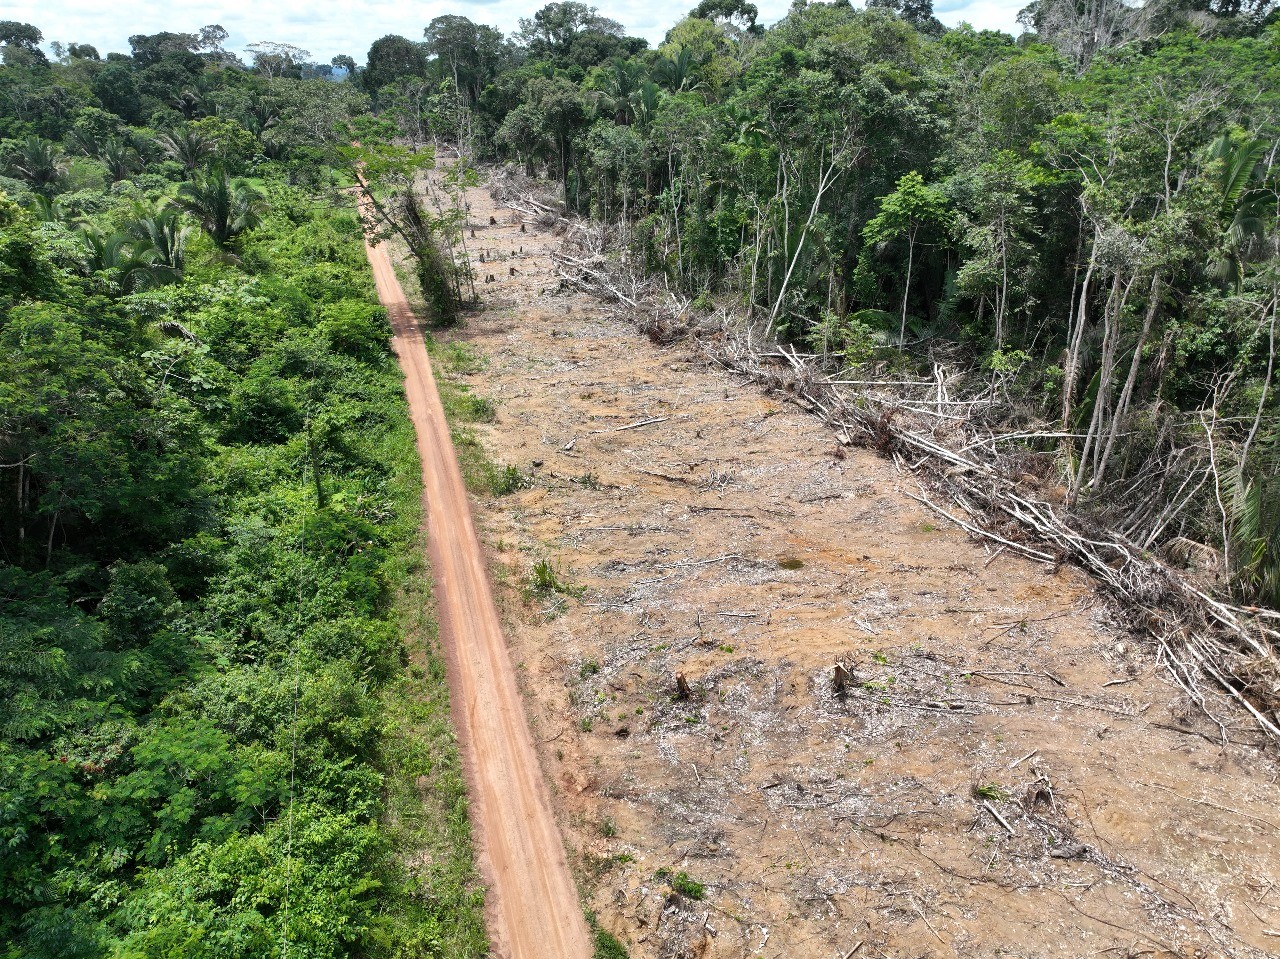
[
  {"x": 825, "y": 180},
  {"x": 1126, "y": 394},
  {"x": 1104, "y": 386},
  {"x": 906, "y": 287},
  {"x": 1002, "y": 302},
  {"x": 22, "y": 501},
  {"x": 1072, "y": 372}
]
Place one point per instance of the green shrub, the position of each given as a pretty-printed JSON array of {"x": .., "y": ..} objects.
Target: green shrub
[
  {"x": 607, "y": 945},
  {"x": 508, "y": 479},
  {"x": 681, "y": 883}
]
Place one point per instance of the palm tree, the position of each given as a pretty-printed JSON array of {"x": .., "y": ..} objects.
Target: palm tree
[
  {"x": 224, "y": 207},
  {"x": 676, "y": 73},
  {"x": 134, "y": 263},
  {"x": 1243, "y": 207},
  {"x": 187, "y": 146},
  {"x": 120, "y": 159},
  {"x": 619, "y": 87},
  {"x": 263, "y": 115},
  {"x": 190, "y": 103},
  {"x": 161, "y": 233},
  {"x": 644, "y": 103},
  {"x": 41, "y": 163},
  {"x": 1254, "y": 509},
  {"x": 82, "y": 140},
  {"x": 49, "y": 210}
]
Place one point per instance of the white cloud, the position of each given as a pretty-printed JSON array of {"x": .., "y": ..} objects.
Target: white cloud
[
  {"x": 326, "y": 27},
  {"x": 981, "y": 14}
]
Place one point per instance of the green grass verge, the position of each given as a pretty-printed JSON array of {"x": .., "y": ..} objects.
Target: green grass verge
[
  {"x": 463, "y": 408},
  {"x": 607, "y": 945}
]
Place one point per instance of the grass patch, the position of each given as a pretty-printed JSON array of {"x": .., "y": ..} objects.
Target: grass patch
[
  {"x": 461, "y": 358},
  {"x": 682, "y": 884},
  {"x": 546, "y": 579},
  {"x": 463, "y": 406},
  {"x": 482, "y": 475},
  {"x": 991, "y": 792},
  {"x": 790, "y": 562},
  {"x": 607, "y": 945}
]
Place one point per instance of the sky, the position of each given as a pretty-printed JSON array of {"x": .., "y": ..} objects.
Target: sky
[{"x": 327, "y": 28}]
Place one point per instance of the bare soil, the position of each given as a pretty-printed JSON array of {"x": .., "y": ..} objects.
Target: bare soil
[
  {"x": 531, "y": 909},
  {"x": 1006, "y": 773}
]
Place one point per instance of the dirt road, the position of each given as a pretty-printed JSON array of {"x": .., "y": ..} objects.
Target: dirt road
[{"x": 532, "y": 902}]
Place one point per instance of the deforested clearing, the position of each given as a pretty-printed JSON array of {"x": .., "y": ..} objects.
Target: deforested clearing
[{"x": 1002, "y": 768}]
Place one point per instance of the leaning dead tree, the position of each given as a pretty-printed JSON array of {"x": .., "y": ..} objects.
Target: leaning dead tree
[{"x": 973, "y": 475}]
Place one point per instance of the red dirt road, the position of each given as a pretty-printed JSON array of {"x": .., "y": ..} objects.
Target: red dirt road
[{"x": 532, "y": 902}]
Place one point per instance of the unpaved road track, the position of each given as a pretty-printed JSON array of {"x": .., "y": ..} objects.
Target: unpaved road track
[{"x": 532, "y": 902}]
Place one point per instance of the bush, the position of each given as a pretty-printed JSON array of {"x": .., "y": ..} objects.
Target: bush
[
  {"x": 355, "y": 328},
  {"x": 682, "y": 884},
  {"x": 607, "y": 945}
]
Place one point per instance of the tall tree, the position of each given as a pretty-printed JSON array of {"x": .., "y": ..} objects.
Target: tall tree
[
  {"x": 472, "y": 53},
  {"x": 151, "y": 49},
  {"x": 391, "y": 58},
  {"x": 20, "y": 44},
  {"x": 911, "y": 208},
  {"x": 741, "y": 13},
  {"x": 278, "y": 59},
  {"x": 552, "y": 30}
]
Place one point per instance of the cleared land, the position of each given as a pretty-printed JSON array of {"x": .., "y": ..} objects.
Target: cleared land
[{"x": 1006, "y": 774}]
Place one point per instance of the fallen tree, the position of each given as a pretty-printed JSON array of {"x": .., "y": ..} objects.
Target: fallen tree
[{"x": 938, "y": 430}]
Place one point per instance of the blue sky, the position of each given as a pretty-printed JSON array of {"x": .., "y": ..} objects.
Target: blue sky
[{"x": 326, "y": 27}]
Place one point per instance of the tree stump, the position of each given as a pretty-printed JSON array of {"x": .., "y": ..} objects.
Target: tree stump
[
  {"x": 840, "y": 680},
  {"x": 682, "y": 686}
]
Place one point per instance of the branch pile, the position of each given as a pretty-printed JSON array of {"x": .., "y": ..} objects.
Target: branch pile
[{"x": 977, "y": 478}]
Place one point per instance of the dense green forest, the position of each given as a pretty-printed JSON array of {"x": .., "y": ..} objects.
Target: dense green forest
[
  {"x": 212, "y": 730},
  {"x": 212, "y": 716}
]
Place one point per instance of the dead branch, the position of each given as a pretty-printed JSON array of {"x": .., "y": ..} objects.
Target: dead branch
[{"x": 946, "y": 441}]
